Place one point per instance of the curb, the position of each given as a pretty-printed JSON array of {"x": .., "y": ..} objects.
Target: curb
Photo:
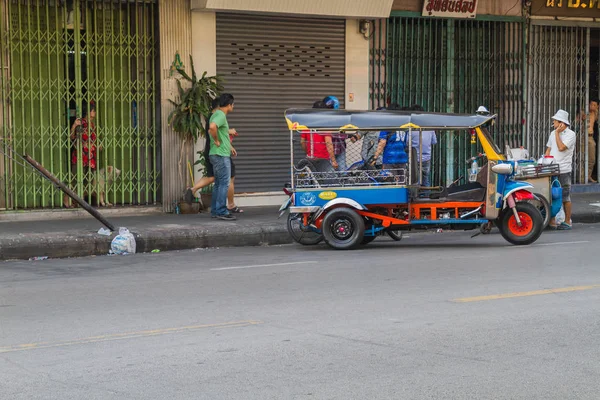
[
  {"x": 85, "y": 243},
  {"x": 591, "y": 217}
]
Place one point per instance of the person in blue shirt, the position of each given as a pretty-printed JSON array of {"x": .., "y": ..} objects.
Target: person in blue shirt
[{"x": 393, "y": 146}]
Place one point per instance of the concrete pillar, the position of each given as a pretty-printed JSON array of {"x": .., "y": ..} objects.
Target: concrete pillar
[
  {"x": 204, "y": 53},
  {"x": 174, "y": 19},
  {"x": 357, "y": 68}
]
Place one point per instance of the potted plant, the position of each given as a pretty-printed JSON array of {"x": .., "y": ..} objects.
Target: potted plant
[{"x": 191, "y": 108}]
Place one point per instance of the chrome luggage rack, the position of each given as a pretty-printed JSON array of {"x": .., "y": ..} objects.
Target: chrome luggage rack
[
  {"x": 537, "y": 171},
  {"x": 307, "y": 178}
]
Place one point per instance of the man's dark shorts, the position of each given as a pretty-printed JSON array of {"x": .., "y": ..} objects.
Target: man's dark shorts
[
  {"x": 565, "y": 183},
  {"x": 211, "y": 173}
]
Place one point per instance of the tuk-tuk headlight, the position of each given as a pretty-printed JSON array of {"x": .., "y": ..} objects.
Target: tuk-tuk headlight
[{"x": 503, "y": 169}]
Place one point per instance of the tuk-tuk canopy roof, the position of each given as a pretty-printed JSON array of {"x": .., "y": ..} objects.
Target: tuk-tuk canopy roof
[{"x": 341, "y": 120}]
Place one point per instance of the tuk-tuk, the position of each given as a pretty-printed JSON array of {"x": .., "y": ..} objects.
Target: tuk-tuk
[{"x": 350, "y": 206}]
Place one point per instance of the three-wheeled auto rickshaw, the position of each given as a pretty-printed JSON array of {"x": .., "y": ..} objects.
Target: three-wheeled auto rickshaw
[{"x": 351, "y": 207}]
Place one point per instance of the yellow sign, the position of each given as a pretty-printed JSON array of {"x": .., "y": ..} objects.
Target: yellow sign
[
  {"x": 566, "y": 8},
  {"x": 327, "y": 195}
]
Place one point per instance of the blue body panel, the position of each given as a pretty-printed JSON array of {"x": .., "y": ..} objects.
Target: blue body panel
[{"x": 364, "y": 196}]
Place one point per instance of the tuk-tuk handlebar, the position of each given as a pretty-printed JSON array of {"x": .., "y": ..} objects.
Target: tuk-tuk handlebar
[{"x": 470, "y": 160}]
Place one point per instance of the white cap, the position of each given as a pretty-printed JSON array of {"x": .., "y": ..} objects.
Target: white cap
[
  {"x": 483, "y": 110},
  {"x": 562, "y": 116}
]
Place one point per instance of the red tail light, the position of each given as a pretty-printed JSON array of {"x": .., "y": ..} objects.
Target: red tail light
[{"x": 522, "y": 195}]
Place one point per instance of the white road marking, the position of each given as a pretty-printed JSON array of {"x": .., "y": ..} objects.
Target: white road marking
[
  {"x": 547, "y": 244},
  {"x": 264, "y": 265},
  {"x": 555, "y": 243}
]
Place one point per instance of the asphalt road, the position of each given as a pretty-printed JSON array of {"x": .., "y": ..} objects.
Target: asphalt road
[{"x": 436, "y": 316}]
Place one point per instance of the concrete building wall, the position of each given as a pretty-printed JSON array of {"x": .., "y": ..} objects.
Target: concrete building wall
[
  {"x": 357, "y": 68},
  {"x": 204, "y": 53}
]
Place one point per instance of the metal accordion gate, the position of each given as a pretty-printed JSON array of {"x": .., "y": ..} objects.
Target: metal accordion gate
[
  {"x": 559, "y": 58},
  {"x": 453, "y": 66},
  {"x": 60, "y": 60}
]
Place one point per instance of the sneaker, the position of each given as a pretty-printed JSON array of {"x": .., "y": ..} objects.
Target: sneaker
[{"x": 226, "y": 217}]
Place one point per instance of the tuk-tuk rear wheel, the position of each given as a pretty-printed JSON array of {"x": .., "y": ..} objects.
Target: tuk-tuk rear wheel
[
  {"x": 542, "y": 204},
  {"x": 343, "y": 229},
  {"x": 531, "y": 227},
  {"x": 300, "y": 233}
]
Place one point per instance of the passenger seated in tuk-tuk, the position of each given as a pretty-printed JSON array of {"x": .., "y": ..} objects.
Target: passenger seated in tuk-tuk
[
  {"x": 429, "y": 139},
  {"x": 370, "y": 141},
  {"x": 393, "y": 147},
  {"x": 319, "y": 147}
]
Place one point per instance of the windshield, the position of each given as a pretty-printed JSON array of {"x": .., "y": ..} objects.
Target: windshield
[{"x": 490, "y": 140}]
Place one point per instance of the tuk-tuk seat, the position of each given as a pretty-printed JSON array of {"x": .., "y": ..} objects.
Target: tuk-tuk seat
[{"x": 472, "y": 191}]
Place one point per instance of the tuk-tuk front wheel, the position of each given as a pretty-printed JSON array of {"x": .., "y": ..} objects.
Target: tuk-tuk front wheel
[
  {"x": 532, "y": 224},
  {"x": 343, "y": 229}
]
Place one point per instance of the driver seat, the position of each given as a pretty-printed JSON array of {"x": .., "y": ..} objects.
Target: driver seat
[{"x": 472, "y": 191}]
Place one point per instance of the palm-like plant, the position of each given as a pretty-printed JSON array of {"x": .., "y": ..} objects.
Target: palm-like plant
[{"x": 192, "y": 106}]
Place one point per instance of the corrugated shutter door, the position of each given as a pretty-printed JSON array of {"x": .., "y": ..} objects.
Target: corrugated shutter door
[{"x": 270, "y": 64}]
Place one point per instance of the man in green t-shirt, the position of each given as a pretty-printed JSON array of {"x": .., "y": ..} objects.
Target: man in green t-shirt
[{"x": 220, "y": 157}]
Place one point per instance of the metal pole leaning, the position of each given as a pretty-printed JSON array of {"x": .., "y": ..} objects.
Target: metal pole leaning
[{"x": 69, "y": 192}]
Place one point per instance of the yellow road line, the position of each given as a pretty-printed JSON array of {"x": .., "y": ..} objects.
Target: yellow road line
[
  {"x": 525, "y": 294},
  {"x": 125, "y": 335}
]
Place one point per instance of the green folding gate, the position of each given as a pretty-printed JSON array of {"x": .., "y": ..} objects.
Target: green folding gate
[
  {"x": 455, "y": 66},
  {"x": 60, "y": 59}
]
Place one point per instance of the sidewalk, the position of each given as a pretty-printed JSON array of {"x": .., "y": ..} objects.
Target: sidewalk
[
  {"x": 256, "y": 226},
  {"x": 78, "y": 237}
]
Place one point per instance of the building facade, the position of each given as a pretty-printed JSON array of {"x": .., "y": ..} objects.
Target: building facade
[{"x": 60, "y": 59}]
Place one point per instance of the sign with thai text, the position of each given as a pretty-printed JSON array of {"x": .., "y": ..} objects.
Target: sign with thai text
[
  {"x": 566, "y": 8},
  {"x": 450, "y": 8}
]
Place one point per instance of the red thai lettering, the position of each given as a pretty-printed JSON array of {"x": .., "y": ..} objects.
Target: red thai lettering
[{"x": 473, "y": 7}]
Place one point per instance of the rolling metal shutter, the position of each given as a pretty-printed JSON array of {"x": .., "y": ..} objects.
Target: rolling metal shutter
[{"x": 270, "y": 64}]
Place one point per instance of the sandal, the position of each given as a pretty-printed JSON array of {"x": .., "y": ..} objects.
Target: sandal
[
  {"x": 235, "y": 210},
  {"x": 552, "y": 227},
  {"x": 564, "y": 227}
]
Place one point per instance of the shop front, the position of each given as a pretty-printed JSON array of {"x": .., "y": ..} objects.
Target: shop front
[
  {"x": 61, "y": 60},
  {"x": 563, "y": 65},
  {"x": 278, "y": 55},
  {"x": 453, "y": 60}
]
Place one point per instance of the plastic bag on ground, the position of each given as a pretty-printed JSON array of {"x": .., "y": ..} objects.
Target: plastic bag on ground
[
  {"x": 104, "y": 232},
  {"x": 560, "y": 217},
  {"x": 123, "y": 243}
]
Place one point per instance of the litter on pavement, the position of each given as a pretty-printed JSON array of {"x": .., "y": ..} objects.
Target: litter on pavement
[
  {"x": 123, "y": 243},
  {"x": 104, "y": 232}
]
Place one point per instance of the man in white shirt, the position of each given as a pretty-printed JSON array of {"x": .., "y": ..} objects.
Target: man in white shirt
[{"x": 561, "y": 145}]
